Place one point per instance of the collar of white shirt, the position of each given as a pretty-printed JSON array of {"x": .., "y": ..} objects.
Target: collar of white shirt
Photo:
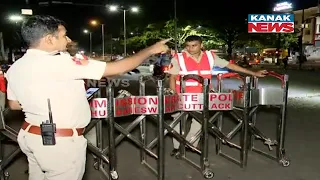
[{"x": 38, "y": 51}]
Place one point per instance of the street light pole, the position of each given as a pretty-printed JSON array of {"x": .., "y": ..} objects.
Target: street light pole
[
  {"x": 90, "y": 37},
  {"x": 90, "y": 40},
  {"x": 102, "y": 35},
  {"x": 175, "y": 27},
  {"x": 124, "y": 33},
  {"x": 114, "y": 8}
]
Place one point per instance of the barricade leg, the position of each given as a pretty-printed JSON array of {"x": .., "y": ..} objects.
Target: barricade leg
[
  {"x": 96, "y": 148},
  {"x": 111, "y": 131},
  {"x": 205, "y": 139},
  {"x": 159, "y": 119},
  {"x": 219, "y": 125},
  {"x": 203, "y": 167},
  {"x": 281, "y": 125},
  {"x": 161, "y": 155},
  {"x": 143, "y": 125},
  {"x": 123, "y": 107},
  {"x": 245, "y": 126},
  {"x": 242, "y": 125}
]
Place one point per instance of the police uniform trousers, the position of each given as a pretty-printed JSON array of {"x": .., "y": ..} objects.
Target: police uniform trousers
[
  {"x": 91, "y": 136},
  {"x": 64, "y": 161},
  {"x": 194, "y": 128}
]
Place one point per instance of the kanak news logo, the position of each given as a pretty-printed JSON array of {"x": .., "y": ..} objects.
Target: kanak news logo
[{"x": 270, "y": 23}]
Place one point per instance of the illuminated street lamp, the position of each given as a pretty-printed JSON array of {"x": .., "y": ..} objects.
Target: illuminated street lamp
[
  {"x": 113, "y": 8},
  {"x": 95, "y": 23},
  {"x": 90, "y": 39},
  {"x": 133, "y": 9},
  {"x": 16, "y": 18}
]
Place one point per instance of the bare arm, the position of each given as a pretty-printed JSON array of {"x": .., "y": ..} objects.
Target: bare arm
[
  {"x": 223, "y": 63},
  {"x": 241, "y": 69},
  {"x": 129, "y": 63},
  {"x": 14, "y": 105},
  {"x": 174, "y": 72}
]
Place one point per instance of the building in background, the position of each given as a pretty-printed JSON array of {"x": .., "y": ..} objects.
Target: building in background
[{"x": 307, "y": 20}]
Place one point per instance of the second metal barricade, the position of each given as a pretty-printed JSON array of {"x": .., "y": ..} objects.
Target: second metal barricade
[
  {"x": 243, "y": 99},
  {"x": 276, "y": 98},
  {"x": 126, "y": 105}
]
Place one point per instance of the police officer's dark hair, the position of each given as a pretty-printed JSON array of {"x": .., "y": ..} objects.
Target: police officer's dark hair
[
  {"x": 193, "y": 38},
  {"x": 38, "y": 26}
]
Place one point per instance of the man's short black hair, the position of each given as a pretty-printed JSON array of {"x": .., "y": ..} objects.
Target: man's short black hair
[
  {"x": 38, "y": 26},
  {"x": 193, "y": 38}
]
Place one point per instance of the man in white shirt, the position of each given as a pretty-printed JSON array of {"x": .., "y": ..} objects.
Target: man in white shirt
[{"x": 40, "y": 75}]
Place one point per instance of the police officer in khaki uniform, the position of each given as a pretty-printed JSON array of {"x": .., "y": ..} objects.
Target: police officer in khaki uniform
[
  {"x": 38, "y": 76},
  {"x": 193, "y": 49}
]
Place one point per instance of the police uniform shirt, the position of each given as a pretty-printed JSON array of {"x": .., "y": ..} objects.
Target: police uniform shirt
[
  {"x": 175, "y": 68},
  {"x": 39, "y": 75}
]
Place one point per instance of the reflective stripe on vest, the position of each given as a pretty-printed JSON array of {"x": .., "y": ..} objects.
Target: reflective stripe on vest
[
  {"x": 210, "y": 58},
  {"x": 184, "y": 70},
  {"x": 183, "y": 66},
  {"x": 188, "y": 83}
]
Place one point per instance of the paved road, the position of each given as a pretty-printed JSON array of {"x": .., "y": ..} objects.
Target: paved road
[{"x": 302, "y": 142}]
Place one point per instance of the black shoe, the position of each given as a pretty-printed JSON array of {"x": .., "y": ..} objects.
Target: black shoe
[{"x": 174, "y": 152}]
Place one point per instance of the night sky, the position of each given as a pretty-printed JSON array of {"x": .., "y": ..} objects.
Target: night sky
[{"x": 77, "y": 17}]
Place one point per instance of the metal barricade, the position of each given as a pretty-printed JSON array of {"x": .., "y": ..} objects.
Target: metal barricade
[
  {"x": 191, "y": 104},
  {"x": 99, "y": 104},
  {"x": 273, "y": 97},
  {"x": 243, "y": 98},
  {"x": 126, "y": 105},
  {"x": 240, "y": 101},
  {"x": 10, "y": 134}
]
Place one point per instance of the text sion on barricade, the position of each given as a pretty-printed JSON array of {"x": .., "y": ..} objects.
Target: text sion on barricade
[
  {"x": 123, "y": 106},
  {"x": 149, "y": 104}
]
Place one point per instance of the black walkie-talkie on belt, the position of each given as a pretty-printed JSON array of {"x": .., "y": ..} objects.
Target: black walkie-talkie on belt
[{"x": 48, "y": 129}]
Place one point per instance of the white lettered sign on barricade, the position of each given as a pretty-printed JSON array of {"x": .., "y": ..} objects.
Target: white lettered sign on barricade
[
  {"x": 171, "y": 103},
  {"x": 220, "y": 101},
  {"x": 123, "y": 106},
  {"x": 145, "y": 104},
  {"x": 191, "y": 101},
  {"x": 149, "y": 104},
  {"x": 99, "y": 107}
]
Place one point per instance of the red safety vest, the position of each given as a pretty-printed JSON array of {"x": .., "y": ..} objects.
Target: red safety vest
[{"x": 190, "y": 66}]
